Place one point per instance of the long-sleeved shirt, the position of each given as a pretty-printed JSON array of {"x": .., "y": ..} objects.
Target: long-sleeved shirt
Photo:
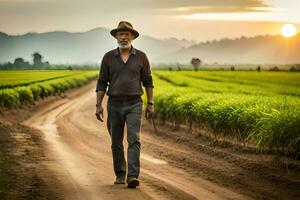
[{"x": 124, "y": 79}]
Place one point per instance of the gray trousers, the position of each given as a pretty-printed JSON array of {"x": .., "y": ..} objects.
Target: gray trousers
[{"x": 117, "y": 117}]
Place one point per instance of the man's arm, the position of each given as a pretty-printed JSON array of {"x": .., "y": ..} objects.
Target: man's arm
[
  {"x": 101, "y": 88},
  {"x": 150, "y": 103},
  {"x": 99, "y": 110},
  {"x": 149, "y": 92},
  {"x": 100, "y": 95},
  {"x": 148, "y": 84}
]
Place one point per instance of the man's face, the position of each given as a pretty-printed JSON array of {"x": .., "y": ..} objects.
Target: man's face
[{"x": 124, "y": 39}]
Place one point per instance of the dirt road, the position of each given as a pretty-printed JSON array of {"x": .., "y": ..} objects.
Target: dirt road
[{"x": 79, "y": 147}]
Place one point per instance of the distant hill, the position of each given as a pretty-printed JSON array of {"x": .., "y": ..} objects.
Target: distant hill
[
  {"x": 183, "y": 42},
  {"x": 255, "y": 50},
  {"x": 89, "y": 47},
  {"x": 82, "y": 47}
]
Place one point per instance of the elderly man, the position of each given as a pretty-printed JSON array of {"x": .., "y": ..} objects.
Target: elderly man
[{"x": 124, "y": 70}]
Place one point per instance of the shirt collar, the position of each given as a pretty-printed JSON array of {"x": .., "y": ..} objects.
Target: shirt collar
[{"x": 133, "y": 51}]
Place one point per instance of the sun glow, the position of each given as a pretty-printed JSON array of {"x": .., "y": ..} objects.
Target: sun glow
[{"x": 288, "y": 30}]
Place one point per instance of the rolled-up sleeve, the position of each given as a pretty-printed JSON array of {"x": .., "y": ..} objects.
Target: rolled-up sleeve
[
  {"x": 146, "y": 76},
  {"x": 103, "y": 79}
]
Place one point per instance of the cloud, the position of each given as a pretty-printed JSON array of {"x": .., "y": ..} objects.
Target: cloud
[
  {"x": 211, "y": 6},
  {"x": 212, "y": 9},
  {"x": 245, "y": 3},
  {"x": 154, "y": 6},
  {"x": 39, "y": 15}
]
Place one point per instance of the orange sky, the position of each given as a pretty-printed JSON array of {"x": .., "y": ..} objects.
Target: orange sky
[{"x": 190, "y": 19}]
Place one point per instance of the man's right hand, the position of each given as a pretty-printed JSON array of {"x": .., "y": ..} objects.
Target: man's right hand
[{"x": 99, "y": 113}]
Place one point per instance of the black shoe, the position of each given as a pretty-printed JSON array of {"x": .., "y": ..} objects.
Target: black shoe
[
  {"x": 120, "y": 180},
  {"x": 133, "y": 182}
]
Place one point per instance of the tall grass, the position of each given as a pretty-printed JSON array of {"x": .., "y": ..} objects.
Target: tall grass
[
  {"x": 35, "y": 88},
  {"x": 264, "y": 115}
]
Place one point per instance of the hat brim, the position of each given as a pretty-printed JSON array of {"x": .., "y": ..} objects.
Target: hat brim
[{"x": 114, "y": 32}]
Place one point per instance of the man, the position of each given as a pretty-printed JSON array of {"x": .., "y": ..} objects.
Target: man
[{"x": 123, "y": 70}]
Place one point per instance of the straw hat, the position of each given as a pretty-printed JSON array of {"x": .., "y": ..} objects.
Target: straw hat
[{"x": 124, "y": 26}]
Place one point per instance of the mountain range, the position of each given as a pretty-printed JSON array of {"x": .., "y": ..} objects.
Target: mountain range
[{"x": 89, "y": 47}]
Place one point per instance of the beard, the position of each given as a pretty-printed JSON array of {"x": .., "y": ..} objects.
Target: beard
[{"x": 124, "y": 44}]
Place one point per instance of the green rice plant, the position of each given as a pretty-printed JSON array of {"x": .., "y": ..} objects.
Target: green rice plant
[
  {"x": 207, "y": 82},
  {"x": 46, "y": 83},
  {"x": 36, "y": 91},
  {"x": 9, "y": 98},
  {"x": 265, "y": 116},
  {"x": 14, "y": 78},
  {"x": 25, "y": 94}
]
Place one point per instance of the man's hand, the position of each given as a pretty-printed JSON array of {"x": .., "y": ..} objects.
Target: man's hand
[
  {"x": 149, "y": 111},
  {"x": 99, "y": 113}
]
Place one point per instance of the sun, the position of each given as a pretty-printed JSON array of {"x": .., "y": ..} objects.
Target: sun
[{"x": 288, "y": 30}]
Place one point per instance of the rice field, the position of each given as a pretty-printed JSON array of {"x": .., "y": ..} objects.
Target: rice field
[
  {"x": 25, "y": 86},
  {"x": 261, "y": 107}
]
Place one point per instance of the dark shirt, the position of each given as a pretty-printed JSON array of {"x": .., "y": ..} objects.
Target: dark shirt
[{"x": 124, "y": 79}]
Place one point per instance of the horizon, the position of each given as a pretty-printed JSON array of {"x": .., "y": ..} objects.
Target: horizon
[
  {"x": 190, "y": 20},
  {"x": 167, "y": 38}
]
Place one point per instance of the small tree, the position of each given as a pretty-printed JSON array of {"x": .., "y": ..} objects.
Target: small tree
[
  {"x": 69, "y": 68},
  {"x": 196, "y": 62},
  {"x": 295, "y": 68},
  {"x": 275, "y": 69},
  {"x": 20, "y": 63},
  {"x": 37, "y": 59},
  {"x": 232, "y": 68},
  {"x": 258, "y": 68}
]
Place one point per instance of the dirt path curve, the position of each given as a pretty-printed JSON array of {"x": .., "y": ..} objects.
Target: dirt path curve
[{"x": 80, "y": 147}]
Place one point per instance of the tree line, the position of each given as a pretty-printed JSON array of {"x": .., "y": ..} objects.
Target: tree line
[{"x": 20, "y": 63}]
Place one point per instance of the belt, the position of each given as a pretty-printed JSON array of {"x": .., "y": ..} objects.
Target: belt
[{"x": 124, "y": 100}]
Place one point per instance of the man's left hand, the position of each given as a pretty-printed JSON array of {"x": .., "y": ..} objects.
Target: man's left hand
[{"x": 149, "y": 111}]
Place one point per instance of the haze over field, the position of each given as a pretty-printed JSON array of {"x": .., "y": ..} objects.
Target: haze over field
[{"x": 89, "y": 47}]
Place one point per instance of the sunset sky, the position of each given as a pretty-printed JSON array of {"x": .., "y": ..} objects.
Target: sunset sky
[{"x": 190, "y": 19}]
